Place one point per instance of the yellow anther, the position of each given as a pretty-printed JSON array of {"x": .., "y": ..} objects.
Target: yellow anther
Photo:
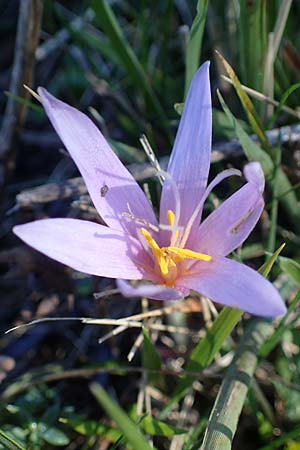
[
  {"x": 184, "y": 253},
  {"x": 170, "y": 217},
  {"x": 151, "y": 242},
  {"x": 158, "y": 253},
  {"x": 163, "y": 265}
]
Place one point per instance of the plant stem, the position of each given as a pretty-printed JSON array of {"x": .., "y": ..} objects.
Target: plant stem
[{"x": 224, "y": 417}]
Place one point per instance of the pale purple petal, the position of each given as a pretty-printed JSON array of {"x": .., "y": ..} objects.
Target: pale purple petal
[
  {"x": 190, "y": 158},
  {"x": 109, "y": 183},
  {"x": 191, "y": 233},
  {"x": 254, "y": 174},
  {"x": 233, "y": 284},
  {"x": 153, "y": 291},
  {"x": 230, "y": 224},
  {"x": 87, "y": 247}
]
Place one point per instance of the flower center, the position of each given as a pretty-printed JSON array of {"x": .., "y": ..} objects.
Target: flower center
[{"x": 167, "y": 258}]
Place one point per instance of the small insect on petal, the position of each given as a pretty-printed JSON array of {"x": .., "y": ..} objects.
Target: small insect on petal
[{"x": 104, "y": 190}]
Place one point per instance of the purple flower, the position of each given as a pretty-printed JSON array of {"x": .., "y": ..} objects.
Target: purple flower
[{"x": 177, "y": 253}]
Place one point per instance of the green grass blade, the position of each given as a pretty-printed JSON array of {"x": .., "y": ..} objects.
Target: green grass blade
[
  {"x": 131, "y": 432},
  {"x": 151, "y": 360},
  {"x": 9, "y": 442},
  {"x": 274, "y": 203},
  {"x": 265, "y": 269},
  {"x": 25, "y": 102},
  {"x": 253, "y": 41},
  {"x": 154, "y": 427},
  {"x": 251, "y": 149},
  {"x": 108, "y": 22},
  {"x": 282, "y": 102},
  {"x": 194, "y": 46}
]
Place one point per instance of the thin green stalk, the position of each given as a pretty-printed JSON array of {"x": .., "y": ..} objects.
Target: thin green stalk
[
  {"x": 274, "y": 203},
  {"x": 130, "y": 430}
]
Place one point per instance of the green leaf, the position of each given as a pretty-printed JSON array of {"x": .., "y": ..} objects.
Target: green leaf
[
  {"x": 130, "y": 430},
  {"x": 194, "y": 46},
  {"x": 127, "y": 152},
  {"x": 108, "y": 22},
  {"x": 291, "y": 268},
  {"x": 9, "y": 442},
  {"x": 93, "y": 428},
  {"x": 151, "y": 360},
  {"x": 251, "y": 149},
  {"x": 284, "y": 98},
  {"x": 222, "y": 125},
  {"x": 86, "y": 40},
  {"x": 253, "y": 41},
  {"x": 292, "y": 445},
  {"x": 55, "y": 436},
  {"x": 155, "y": 427},
  {"x": 265, "y": 269},
  {"x": 148, "y": 424}
]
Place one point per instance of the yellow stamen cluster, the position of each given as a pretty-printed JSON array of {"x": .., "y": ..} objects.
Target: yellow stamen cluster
[{"x": 167, "y": 257}]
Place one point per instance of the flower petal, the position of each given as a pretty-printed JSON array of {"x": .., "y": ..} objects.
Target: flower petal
[
  {"x": 230, "y": 224},
  {"x": 254, "y": 174},
  {"x": 109, "y": 183},
  {"x": 191, "y": 232},
  {"x": 190, "y": 158},
  {"x": 153, "y": 291},
  {"x": 86, "y": 246},
  {"x": 233, "y": 284}
]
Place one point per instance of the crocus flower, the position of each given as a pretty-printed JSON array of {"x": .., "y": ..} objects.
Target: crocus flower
[{"x": 176, "y": 253}]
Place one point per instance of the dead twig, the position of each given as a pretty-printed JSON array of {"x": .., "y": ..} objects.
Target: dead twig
[
  {"x": 76, "y": 187},
  {"x": 263, "y": 98},
  {"x": 28, "y": 32}
]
